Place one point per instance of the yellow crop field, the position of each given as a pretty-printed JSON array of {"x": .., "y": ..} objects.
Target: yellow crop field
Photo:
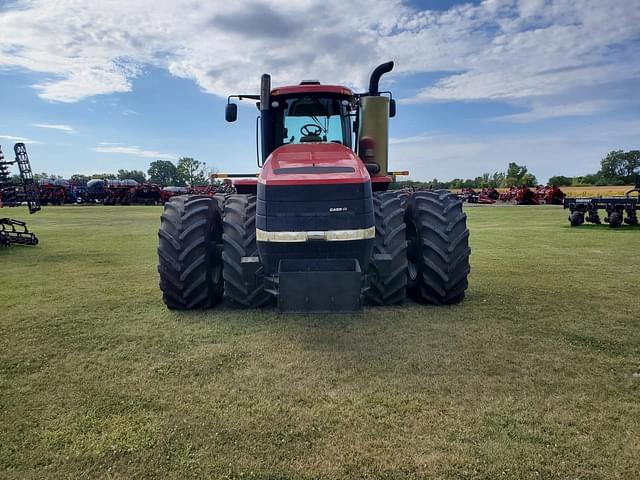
[{"x": 595, "y": 191}]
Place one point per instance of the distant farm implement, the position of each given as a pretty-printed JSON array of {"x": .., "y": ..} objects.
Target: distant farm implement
[
  {"x": 616, "y": 207},
  {"x": 117, "y": 192},
  {"x": 542, "y": 195},
  {"x": 485, "y": 196},
  {"x": 102, "y": 191},
  {"x": 518, "y": 195},
  {"x": 14, "y": 194}
]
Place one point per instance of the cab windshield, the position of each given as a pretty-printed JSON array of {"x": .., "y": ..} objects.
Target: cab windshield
[{"x": 314, "y": 119}]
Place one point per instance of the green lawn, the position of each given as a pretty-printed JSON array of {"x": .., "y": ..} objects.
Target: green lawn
[{"x": 536, "y": 375}]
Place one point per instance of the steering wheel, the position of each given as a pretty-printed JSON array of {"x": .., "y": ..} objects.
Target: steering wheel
[{"x": 311, "y": 130}]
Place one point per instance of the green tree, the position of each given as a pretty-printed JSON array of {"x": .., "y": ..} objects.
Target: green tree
[
  {"x": 105, "y": 176},
  {"x": 483, "y": 181},
  {"x": 509, "y": 182},
  {"x": 165, "y": 173},
  {"x": 590, "y": 179},
  {"x": 496, "y": 179},
  {"x": 518, "y": 175},
  {"x": 561, "y": 181},
  {"x": 516, "y": 171},
  {"x": 529, "y": 180},
  {"x": 80, "y": 178},
  {"x": 456, "y": 183},
  {"x": 137, "y": 175},
  {"x": 45, "y": 176},
  {"x": 194, "y": 172},
  {"x": 619, "y": 167}
]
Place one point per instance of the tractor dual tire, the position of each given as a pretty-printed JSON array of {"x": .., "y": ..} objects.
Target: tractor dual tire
[
  {"x": 190, "y": 264},
  {"x": 389, "y": 288},
  {"x": 615, "y": 220},
  {"x": 221, "y": 200},
  {"x": 576, "y": 218},
  {"x": 438, "y": 250},
  {"x": 239, "y": 226}
]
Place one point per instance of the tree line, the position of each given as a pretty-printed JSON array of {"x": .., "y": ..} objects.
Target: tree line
[
  {"x": 187, "y": 172},
  {"x": 515, "y": 175},
  {"x": 616, "y": 168}
]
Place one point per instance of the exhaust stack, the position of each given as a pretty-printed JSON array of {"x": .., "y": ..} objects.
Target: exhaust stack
[
  {"x": 266, "y": 118},
  {"x": 373, "y": 134},
  {"x": 374, "y": 80}
]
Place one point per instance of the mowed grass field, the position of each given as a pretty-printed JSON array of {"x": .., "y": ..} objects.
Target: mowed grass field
[{"x": 535, "y": 376}]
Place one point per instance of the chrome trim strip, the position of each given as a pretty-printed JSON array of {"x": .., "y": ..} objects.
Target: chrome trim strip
[{"x": 327, "y": 236}]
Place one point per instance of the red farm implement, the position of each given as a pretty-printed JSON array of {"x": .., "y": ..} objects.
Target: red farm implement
[
  {"x": 224, "y": 188},
  {"x": 53, "y": 192},
  {"x": 549, "y": 195},
  {"x": 107, "y": 192},
  {"x": 521, "y": 195},
  {"x": 486, "y": 196}
]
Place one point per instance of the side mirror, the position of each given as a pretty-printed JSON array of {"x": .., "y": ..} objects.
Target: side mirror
[
  {"x": 231, "y": 112},
  {"x": 392, "y": 108}
]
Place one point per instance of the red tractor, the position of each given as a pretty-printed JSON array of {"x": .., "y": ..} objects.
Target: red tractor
[{"x": 318, "y": 228}]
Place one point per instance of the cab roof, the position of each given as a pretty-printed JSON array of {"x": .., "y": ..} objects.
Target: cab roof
[{"x": 311, "y": 88}]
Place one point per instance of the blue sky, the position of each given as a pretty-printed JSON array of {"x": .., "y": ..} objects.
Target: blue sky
[{"x": 96, "y": 88}]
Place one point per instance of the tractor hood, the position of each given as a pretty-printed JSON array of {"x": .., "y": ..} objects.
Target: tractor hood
[{"x": 313, "y": 164}]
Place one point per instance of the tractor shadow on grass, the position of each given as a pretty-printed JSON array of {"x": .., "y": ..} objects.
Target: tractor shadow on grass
[{"x": 377, "y": 341}]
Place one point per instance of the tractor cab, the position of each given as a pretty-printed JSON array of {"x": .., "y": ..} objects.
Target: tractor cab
[{"x": 312, "y": 113}]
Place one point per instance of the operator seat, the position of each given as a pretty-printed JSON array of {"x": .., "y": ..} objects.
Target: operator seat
[{"x": 312, "y": 138}]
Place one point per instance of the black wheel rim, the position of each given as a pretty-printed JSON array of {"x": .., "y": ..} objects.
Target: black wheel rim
[{"x": 413, "y": 251}]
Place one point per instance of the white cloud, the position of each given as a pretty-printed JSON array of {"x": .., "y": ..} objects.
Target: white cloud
[
  {"x": 135, "y": 151},
  {"x": 499, "y": 49},
  {"x": 564, "y": 46},
  {"x": 12, "y": 138},
  {"x": 64, "y": 128},
  {"x": 529, "y": 8},
  {"x": 422, "y": 138},
  {"x": 541, "y": 111}
]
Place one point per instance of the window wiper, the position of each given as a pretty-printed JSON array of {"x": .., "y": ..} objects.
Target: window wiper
[{"x": 317, "y": 122}]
